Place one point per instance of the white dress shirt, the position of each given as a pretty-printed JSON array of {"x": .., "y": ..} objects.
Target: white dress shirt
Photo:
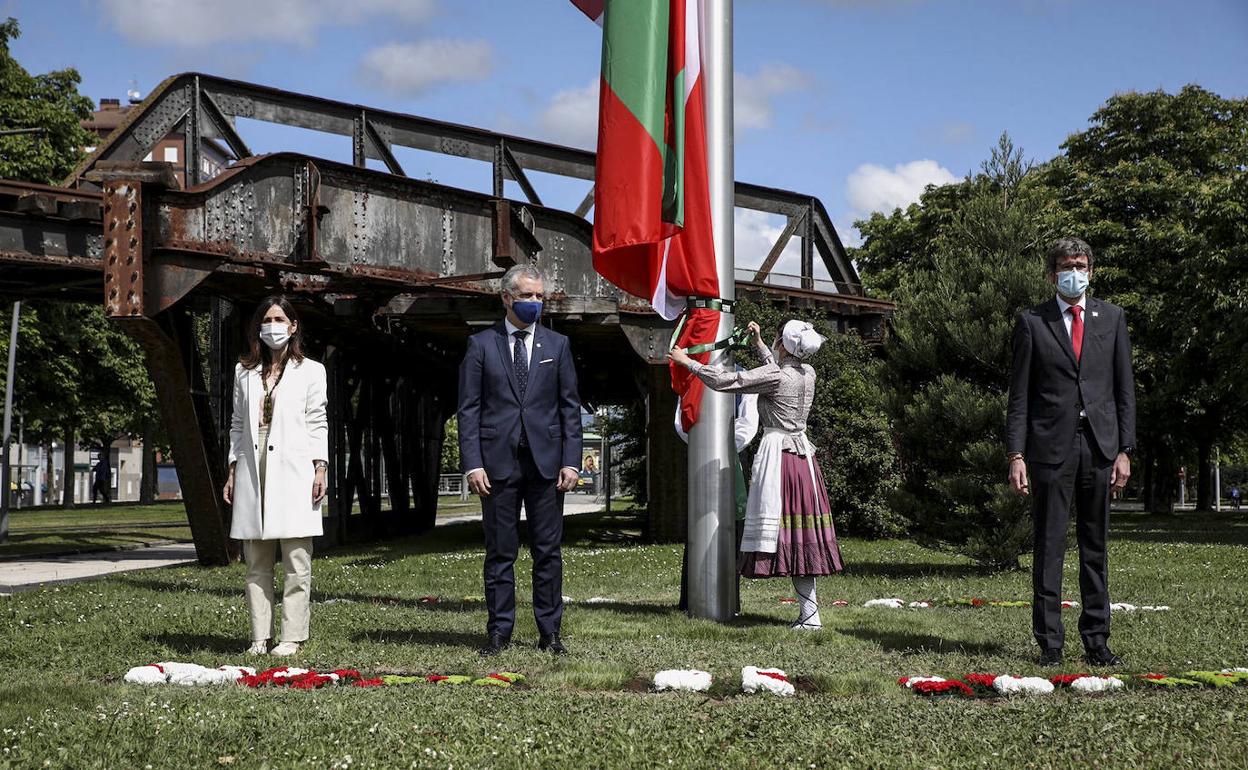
[
  {"x": 1068, "y": 317},
  {"x": 511, "y": 339}
]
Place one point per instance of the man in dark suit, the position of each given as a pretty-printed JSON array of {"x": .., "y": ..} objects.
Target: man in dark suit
[
  {"x": 1071, "y": 426},
  {"x": 520, "y": 442}
]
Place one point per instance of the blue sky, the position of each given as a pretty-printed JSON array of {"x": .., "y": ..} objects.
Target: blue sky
[{"x": 857, "y": 102}]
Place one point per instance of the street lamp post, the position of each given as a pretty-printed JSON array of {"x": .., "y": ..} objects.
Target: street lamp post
[{"x": 8, "y": 426}]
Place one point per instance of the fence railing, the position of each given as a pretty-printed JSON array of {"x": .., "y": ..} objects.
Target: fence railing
[{"x": 747, "y": 274}]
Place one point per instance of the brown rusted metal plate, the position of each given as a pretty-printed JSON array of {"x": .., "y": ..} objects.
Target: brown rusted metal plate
[
  {"x": 36, "y": 203},
  {"x": 123, "y": 249},
  {"x": 171, "y": 276}
]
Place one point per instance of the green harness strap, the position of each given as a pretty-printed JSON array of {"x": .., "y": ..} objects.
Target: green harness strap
[{"x": 739, "y": 339}]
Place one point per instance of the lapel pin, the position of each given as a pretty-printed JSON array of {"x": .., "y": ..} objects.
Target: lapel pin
[{"x": 1095, "y": 314}]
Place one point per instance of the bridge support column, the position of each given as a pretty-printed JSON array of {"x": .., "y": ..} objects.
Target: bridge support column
[
  {"x": 667, "y": 482},
  {"x": 137, "y": 287}
]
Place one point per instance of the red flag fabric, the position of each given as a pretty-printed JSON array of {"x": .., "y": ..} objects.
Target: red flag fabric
[{"x": 652, "y": 217}]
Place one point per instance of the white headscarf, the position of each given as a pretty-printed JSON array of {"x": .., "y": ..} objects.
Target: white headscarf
[{"x": 801, "y": 339}]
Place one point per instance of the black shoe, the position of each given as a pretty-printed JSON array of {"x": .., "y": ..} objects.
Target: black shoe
[
  {"x": 1051, "y": 657},
  {"x": 552, "y": 644},
  {"x": 495, "y": 644},
  {"x": 1101, "y": 656}
]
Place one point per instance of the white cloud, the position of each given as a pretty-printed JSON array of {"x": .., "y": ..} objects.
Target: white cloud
[
  {"x": 191, "y": 24},
  {"x": 410, "y": 11},
  {"x": 873, "y": 188},
  {"x": 755, "y": 233},
  {"x": 754, "y": 95},
  {"x": 571, "y": 117},
  {"x": 411, "y": 68},
  {"x": 955, "y": 132}
]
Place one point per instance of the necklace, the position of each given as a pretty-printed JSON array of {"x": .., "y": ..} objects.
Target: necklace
[{"x": 267, "y": 409}]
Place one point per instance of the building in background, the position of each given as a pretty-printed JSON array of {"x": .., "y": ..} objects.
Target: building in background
[
  {"x": 38, "y": 477},
  {"x": 214, "y": 157}
]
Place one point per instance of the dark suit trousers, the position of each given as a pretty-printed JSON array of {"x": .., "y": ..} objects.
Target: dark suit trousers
[
  {"x": 1084, "y": 476},
  {"x": 543, "y": 506}
]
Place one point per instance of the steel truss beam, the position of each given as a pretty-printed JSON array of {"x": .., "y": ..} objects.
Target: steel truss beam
[{"x": 196, "y": 97}]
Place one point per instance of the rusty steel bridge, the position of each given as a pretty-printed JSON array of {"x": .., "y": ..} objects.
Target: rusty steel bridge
[{"x": 390, "y": 273}]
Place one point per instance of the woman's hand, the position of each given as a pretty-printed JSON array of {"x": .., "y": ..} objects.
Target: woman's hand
[
  {"x": 680, "y": 356},
  {"x": 319, "y": 487},
  {"x": 227, "y": 493}
]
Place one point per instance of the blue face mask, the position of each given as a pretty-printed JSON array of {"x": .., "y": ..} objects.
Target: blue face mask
[
  {"x": 528, "y": 311},
  {"x": 1072, "y": 283}
]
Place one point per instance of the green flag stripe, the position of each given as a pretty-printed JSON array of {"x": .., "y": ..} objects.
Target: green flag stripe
[
  {"x": 674, "y": 158},
  {"x": 634, "y": 60}
]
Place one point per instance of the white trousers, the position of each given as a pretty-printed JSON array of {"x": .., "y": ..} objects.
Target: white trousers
[{"x": 261, "y": 557}]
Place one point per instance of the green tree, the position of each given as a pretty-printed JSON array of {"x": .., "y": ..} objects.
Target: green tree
[
  {"x": 949, "y": 353},
  {"x": 450, "y": 447},
  {"x": 49, "y": 103},
  {"x": 1158, "y": 186},
  {"x": 848, "y": 423},
  {"x": 625, "y": 425},
  {"x": 905, "y": 242},
  {"x": 77, "y": 374}
]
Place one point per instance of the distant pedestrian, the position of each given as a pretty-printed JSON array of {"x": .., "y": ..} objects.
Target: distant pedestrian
[
  {"x": 1235, "y": 495},
  {"x": 102, "y": 479}
]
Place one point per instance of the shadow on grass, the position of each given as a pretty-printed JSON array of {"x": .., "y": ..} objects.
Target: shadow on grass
[
  {"x": 1204, "y": 528},
  {"x": 913, "y": 570},
  {"x": 910, "y": 644},
  {"x": 318, "y": 597},
  {"x": 191, "y": 643},
  {"x": 418, "y": 637},
  {"x": 629, "y": 608},
  {"x": 585, "y": 530}
]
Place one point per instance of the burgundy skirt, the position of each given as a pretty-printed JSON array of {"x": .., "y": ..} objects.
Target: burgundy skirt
[{"x": 807, "y": 545}]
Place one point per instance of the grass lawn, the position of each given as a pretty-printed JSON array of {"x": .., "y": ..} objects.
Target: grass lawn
[
  {"x": 65, "y": 648},
  {"x": 89, "y": 528}
]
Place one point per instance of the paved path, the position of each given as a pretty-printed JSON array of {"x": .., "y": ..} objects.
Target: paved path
[
  {"x": 20, "y": 575},
  {"x": 26, "y": 574}
]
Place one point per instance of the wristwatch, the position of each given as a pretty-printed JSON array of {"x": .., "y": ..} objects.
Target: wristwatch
[
  {"x": 320, "y": 465},
  {"x": 1129, "y": 451},
  {"x": 1012, "y": 456}
]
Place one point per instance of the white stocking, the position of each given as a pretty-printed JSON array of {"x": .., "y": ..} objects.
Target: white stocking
[{"x": 806, "y": 602}]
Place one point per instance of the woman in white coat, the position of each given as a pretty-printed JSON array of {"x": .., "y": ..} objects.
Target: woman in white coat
[{"x": 278, "y": 450}]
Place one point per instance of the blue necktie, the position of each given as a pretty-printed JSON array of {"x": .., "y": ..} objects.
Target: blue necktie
[{"x": 520, "y": 364}]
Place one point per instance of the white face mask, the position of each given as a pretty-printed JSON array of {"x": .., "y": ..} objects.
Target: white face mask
[
  {"x": 1071, "y": 284},
  {"x": 275, "y": 335}
]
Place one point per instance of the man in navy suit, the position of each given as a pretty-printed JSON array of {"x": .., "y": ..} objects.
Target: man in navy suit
[
  {"x": 520, "y": 441},
  {"x": 1071, "y": 425}
]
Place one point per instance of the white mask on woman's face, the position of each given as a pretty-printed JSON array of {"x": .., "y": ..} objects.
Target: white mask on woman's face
[{"x": 275, "y": 335}]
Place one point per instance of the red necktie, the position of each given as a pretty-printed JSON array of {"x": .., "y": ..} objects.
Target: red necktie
[{"x": 1076, "y": 330}]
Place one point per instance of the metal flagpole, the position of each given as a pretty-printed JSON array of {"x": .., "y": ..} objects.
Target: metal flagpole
[{"x": 712, "y": 507}]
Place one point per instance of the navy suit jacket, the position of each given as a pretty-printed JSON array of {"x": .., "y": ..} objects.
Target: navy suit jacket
[
  {"x": 1047, "y": 386},
  {"x": 491, "y": 410}
]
